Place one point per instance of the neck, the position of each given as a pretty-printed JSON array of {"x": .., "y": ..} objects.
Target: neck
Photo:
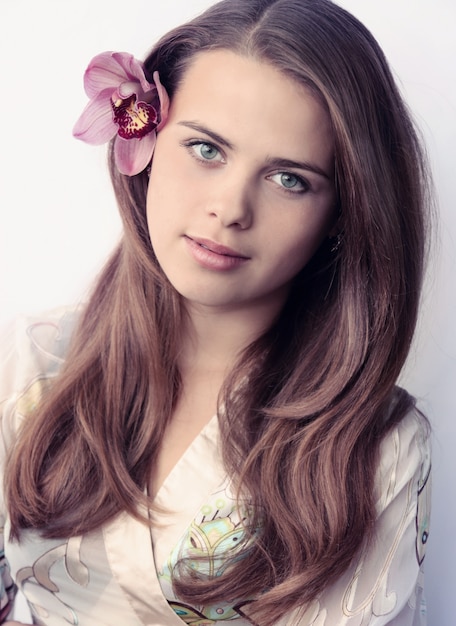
[{"x": 214, "y": 337}]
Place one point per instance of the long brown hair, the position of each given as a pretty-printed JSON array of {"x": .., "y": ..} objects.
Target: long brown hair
[{"x": 302, "y": 438}]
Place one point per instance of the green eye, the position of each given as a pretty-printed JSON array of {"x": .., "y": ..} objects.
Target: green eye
[
  {"x": 203, "y": 151},
  {"x": 289, "y": 180},
  {"x": 208, "y": 151}
]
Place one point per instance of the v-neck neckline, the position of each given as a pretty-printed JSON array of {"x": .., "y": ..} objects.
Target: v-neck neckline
[
  {"x": 178, "y": 500},
  {"x": 184, "y": 490}
]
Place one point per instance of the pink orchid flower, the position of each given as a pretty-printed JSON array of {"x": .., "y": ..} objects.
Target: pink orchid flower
[{"x": 122, "y": 103}]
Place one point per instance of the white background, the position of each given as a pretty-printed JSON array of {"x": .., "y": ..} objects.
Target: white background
[{"x": 58, "y": 218}]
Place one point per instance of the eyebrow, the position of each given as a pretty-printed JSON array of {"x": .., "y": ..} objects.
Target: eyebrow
[
  {"x": 202, "y": 129},
  {"x": 271, "y": 161},
  {"x": 302, "y": 165}
]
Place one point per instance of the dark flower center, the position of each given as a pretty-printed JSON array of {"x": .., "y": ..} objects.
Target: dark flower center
[{"x": 135, "y": 120}]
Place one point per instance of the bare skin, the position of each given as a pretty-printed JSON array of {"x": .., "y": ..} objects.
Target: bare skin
[
  {"x": 254, "y": 199},
  {"x": 210, "y": 348}
]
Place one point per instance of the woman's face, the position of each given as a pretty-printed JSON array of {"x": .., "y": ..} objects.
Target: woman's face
[{"x": 241, "y": 190}]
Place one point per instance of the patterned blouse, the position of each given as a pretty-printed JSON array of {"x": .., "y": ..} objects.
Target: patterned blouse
[{"x": 121, "y": 573}]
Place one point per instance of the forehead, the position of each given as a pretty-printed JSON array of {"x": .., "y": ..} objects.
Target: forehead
[{"x": 244, "y": 96}]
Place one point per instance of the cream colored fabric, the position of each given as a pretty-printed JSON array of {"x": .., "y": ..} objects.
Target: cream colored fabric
[{"x": 121, "y": 574}]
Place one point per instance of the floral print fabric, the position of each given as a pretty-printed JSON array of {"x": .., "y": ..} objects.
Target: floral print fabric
[{"x": 122, "y": 573}]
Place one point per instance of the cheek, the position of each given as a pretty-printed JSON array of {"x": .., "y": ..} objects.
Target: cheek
[
  {"x": 159, "y": 197},
  {"x": 156, "y": 215},
  {"x": 300, "y": 240},
  {"x": 170, "y": 189},
  {"x": 299, "y": 254},
  {"x": 162, "y": 181}
]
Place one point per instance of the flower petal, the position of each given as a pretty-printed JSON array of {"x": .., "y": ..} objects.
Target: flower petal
[
  {"x": 95, "y": 125},
  {"x": 133, "y": 155},
  {"x": 133, "y": 68},
  {"x": 164, "y": 101},
  {"x": 128, "y": 88},
  {"x": 104, "y": 71}
]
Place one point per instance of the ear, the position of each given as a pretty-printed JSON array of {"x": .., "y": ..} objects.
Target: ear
[{"x": 164, "y": 100}]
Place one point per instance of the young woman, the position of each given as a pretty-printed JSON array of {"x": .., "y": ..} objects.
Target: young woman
[{"x": 217, "y": 436}]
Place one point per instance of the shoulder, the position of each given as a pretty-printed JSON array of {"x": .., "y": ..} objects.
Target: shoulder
[
  {"x": 383, "y": 584},
  {"x": 403, "y": 491},
  {"x": 32, "y": 350},
  {"x": 405, "y": 458}
]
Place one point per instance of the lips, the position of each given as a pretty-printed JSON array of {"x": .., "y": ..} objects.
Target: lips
[
  {"x": 213, "y": 256},
  {"x": 217, "y": 248}
]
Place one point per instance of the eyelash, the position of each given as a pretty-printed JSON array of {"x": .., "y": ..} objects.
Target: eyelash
[
  {"x": 191, "y": 144},
  {"x": 302, "y": 182}
]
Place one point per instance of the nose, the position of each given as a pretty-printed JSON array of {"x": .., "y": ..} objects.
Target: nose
[{"x": 232, "y": 203}]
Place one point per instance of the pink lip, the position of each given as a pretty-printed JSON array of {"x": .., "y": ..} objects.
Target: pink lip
[
  {"x": 217, "y": 247},
  {"x": 212, "y": 255}
]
